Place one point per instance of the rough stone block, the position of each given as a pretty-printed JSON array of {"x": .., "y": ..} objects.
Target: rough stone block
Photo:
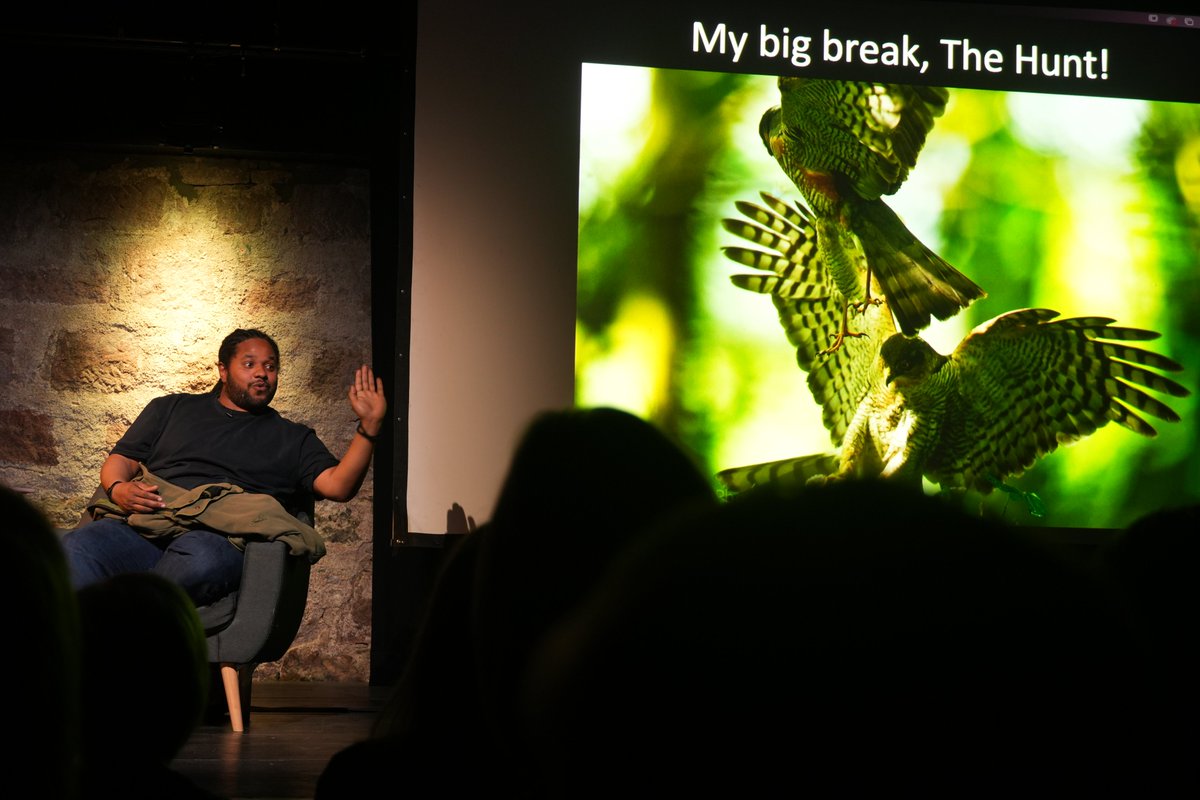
[
  {"x": 27, "y": 437},
  {"x": 285, "y": 293},
  {"x": 134, "y": 205},
  {"x": 238, "y": 210},
  {"x": 90, "y": 360},
  {"x": 86, "y": 285},
  {"x": 7, "y": 339},
  {"x": 330, "y": 213},
  {"x": 210, "y": 172}
]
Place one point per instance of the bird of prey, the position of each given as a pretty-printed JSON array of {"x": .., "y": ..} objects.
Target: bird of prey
[
  {"x": 845, "y": 145},
  {"x": 1015, "y": 389}
]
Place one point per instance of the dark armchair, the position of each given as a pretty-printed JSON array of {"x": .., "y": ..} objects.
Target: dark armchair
[{"x": 257, "y": 623}]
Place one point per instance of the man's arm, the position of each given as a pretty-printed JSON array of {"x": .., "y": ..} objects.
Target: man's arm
[
  {"x": 116, "y": 475},
  {"x": 341, "y": 483}
]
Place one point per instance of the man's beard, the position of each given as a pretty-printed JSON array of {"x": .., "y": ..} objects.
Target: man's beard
[{"x": 241, "y": 397}]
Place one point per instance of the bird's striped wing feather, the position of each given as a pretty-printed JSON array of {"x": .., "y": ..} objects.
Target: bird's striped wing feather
[
  {"x": 789, "y": 270},
  {"x": 1026, "y": 383}
]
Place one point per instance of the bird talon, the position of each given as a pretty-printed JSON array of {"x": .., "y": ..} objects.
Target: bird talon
[
  {"x": 840, "y": 336},
  {"x": 833, "y": 348},
  {"x": 862, "y": 306}
]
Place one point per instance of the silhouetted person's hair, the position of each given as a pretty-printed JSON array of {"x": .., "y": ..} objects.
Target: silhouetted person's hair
[
  {"x": 1152, "y": 566},
  {"x": 146, "y": 676},
  {"x": 581, "y": 486},
  {"x": 42, "y": 655}
]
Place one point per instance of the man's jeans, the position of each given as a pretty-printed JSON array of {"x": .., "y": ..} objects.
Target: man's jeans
[{"x": 205, "y": 564}]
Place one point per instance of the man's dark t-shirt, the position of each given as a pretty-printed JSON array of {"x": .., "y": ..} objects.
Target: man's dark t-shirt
[{"x": 191, "y": 439}]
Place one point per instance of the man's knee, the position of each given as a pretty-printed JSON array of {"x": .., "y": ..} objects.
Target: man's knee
[
  {"x": 103, "y": 548},
  {"x": 205, "y": 564}
]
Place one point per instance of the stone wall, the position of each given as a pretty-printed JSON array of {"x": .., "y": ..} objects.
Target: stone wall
[{"x": 120, "y": 275}]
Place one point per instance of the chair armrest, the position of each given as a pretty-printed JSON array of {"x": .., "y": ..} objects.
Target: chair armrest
[{"x": 270, "y": 606}]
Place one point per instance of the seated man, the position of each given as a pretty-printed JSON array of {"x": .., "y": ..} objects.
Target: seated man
[{"x": 224, "y": 442}]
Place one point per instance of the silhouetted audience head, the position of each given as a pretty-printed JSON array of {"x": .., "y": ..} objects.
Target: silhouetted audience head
[
  {"x": 582, "y": 485},
  {"x": 857, "y": 636},
  {"x": 1152, "y": 565},
  {"x": 43, "y": 661},
  {"x": 145, "y": 684}
]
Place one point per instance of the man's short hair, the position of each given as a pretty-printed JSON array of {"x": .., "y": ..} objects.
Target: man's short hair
[{"x": 230, "y": 344}]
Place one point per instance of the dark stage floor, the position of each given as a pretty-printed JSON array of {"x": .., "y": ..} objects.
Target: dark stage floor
[{"x": 295, "y": 728}]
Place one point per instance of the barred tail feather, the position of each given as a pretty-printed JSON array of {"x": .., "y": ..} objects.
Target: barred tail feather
[
  {"x": 793, "y": 471},
  {"x": 916, "y": 281}
]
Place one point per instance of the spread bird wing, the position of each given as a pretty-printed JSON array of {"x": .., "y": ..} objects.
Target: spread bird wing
[
  {"x": 810, "y": 308},
  {"x": 875, "y": 131},
  {"x": 845, "y": 144},
  {"x": 1027, "y": 382},
  {"x": 790, "y": 271}
]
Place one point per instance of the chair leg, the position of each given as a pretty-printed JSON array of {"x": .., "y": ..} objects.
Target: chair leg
[
  {"x": 245, "y": 685},
  {"x": 233, "y": 695}
]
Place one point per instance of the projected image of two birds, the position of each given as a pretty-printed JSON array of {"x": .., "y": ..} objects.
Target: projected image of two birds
[{"x": 989, "y": 295}]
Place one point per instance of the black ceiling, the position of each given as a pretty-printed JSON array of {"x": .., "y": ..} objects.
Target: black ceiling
[{"x": 232, "y": 79}]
